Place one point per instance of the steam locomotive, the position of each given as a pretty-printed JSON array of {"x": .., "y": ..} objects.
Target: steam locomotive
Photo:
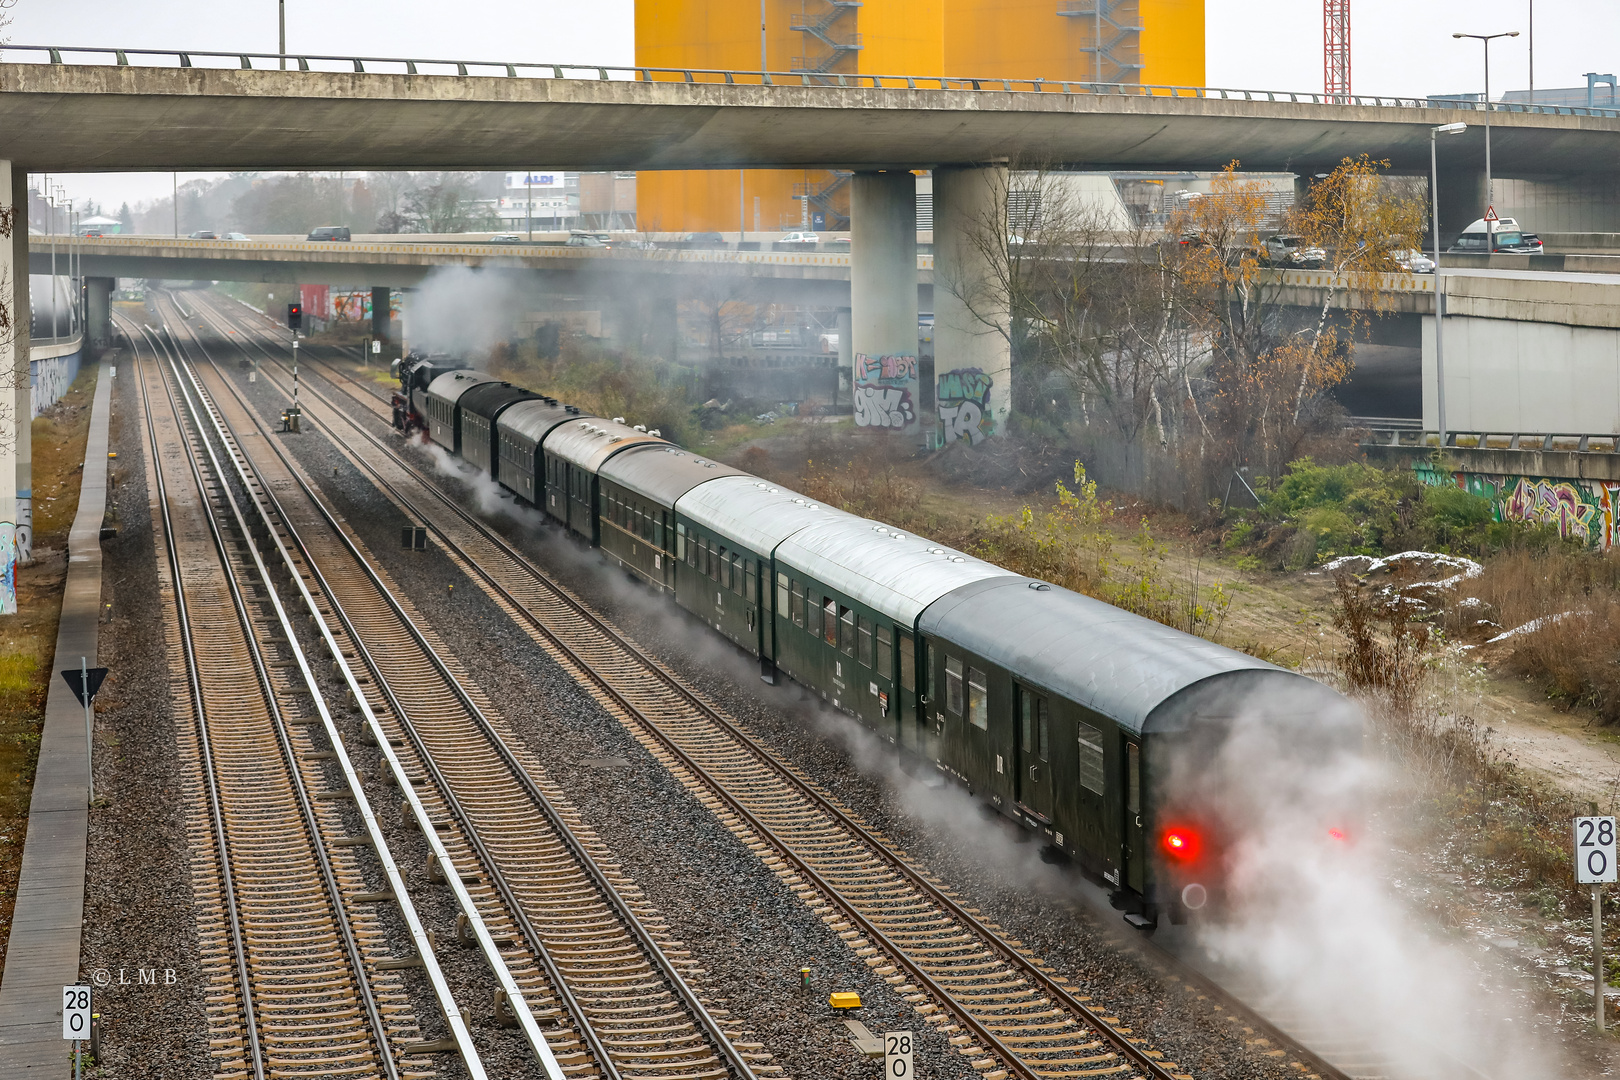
[{"x": 1152, "y": 758}]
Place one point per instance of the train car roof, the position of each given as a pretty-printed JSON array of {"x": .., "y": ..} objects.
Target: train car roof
[
  {"x": 1120, "y": 665},
  {"x": 892, "y": 571},
  {"x": 588, "y": 441},
  {"x": 452, "y": 384},
  {"x": 752, "y": 512},
  {"x": 488, "y": 399},
  {"x": 663, "y": 473},
  {"x": 532, "y": 418}
]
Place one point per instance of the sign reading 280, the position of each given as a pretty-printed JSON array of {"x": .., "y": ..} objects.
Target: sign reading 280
[{"x": 1595, "y": 862}]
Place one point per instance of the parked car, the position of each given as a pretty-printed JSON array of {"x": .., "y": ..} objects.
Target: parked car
[
  {"x": 329, "y": 232},
  {"x": 1414, "y": 261},
  {"x": 581, "y": 238},
  {"x": 1505, "y": 237},
  {"x": 809, "y": 239},
  {"x": 1292, "y": 253},
  {"x": 205, "y": 234}
]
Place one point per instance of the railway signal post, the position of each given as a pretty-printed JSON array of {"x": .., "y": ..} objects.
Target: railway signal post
[{"x": 1595, "y": 852}]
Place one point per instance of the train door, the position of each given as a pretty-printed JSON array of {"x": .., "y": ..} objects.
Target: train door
[
  {"x": 1034, "y": 786},
  {"x": 904, "y": 708},
  {"x": 1135, "y": 853}
]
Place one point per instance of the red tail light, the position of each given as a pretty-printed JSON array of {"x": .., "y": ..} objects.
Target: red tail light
[
  {"x": 1181, "y": 843},
  {"x": 1338, "y": 834}
]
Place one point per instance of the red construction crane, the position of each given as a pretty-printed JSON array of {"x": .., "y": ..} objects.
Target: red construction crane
[{"x": 1336, "y": 49}]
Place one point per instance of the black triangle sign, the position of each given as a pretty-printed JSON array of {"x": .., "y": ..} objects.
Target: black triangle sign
[{"x": 75, "y": 680}]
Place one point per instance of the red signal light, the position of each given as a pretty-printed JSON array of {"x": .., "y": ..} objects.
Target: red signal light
[{"x": 1181, "y": 843}]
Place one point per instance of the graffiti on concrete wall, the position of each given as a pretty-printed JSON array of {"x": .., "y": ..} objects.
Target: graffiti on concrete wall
[
  {"x": 1584, "y": 510},
  {"x": 8, "y": 568},
  {"x": 964, "y": 405},
  {"x": 1558, "y": 503},
  {"x": 50, "y": 378},
  {"x": 883, "y": 391}
]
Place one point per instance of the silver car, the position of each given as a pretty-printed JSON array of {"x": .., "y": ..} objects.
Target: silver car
[
  {"x": 1293, "y": 253},
  {"x": 1413, "y": 261}
]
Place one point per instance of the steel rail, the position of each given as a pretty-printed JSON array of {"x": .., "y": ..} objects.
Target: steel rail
[
  {"x": 283, "y": 739},
  {"x": 452, "y": 1015},
  {"x": 710, "y": 76},
  {"x": 588, "y": 862},
  {"x": 194, "y": 683},
  {"x": 1011, "y": 1059},
  {"x": 453, "y": 877}
]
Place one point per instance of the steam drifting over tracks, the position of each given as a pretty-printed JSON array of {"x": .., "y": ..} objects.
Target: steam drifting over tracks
[
  {"x": 578, "y": 943},
  {"x": 1006, "y": 1011}
]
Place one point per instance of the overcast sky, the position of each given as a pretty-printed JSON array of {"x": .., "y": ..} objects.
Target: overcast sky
[{"x": 1399, "y": 47}]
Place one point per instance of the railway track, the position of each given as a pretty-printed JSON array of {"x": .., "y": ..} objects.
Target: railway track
[
  {"x": 1006, "y": 1011},
  {"x": 576, "y": 939},
  {"x": 296, "y": 964}
]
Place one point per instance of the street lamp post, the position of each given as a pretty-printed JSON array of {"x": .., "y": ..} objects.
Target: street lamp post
[
  {"x": 1439, "y": 292},
  {"x": 282, "y": 12},
  {"x": 1490, "y": 195}
]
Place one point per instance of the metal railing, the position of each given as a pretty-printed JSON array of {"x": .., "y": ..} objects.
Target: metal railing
[
  {"x": 1412, "y": 434},
  {"x": 398, "y": 65}
]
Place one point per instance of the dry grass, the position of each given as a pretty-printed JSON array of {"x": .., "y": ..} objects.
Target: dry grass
[
  {"x": 1570, "y": 603},
  {"x": 1464, "y": 790}
]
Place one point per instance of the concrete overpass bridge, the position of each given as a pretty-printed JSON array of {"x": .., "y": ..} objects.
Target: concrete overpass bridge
[{"x": 71, "y": 109}]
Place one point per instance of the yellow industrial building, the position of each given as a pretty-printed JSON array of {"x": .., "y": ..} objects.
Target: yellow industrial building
[{"x": 1156, "y": 42}]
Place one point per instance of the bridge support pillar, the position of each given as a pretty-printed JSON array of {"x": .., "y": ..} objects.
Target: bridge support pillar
[
  {"x": 382, "y": 319},
  {"x": 15, "y": 410},
  {"x": 883, "y": 300},
  {"x": 1462, "y": 202},
  {"x": 98, "y": 311},
  {"x": 972, "y": 350}
]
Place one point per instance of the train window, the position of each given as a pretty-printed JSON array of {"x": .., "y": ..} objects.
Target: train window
[
  {"x": 1133, "y": 778},
  {"x": 796, "y": 603},
  {"x": 660, "y": 529},
  {"x": 680, "y": 542},
  {"x": 883, "y": 663},
  {"x": 1091, "y": 758},
  {"x": 1034, "y": 730},
  {"x": 812, "y": 613},
  {"x": 863, "y": 648},
  {"x": 748, "y": 581},
  {"x": 846, "y": 631},
  {"x": 782, "y": 607},
  {"x": 953, "y": 685},
  {"x": 978, "y": 705},
  {"x": 908, "y": 663},
  {"x": 715, "y": 555},
  {"x": 829, "y": 621}
]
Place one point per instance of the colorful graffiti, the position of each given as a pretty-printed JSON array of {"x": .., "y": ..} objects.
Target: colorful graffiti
[
  {"x": 1585, "y": 510},
  {"x": 883, "y": 391},
  {"x": 1551, "y": 502},
  {"x": 8, "y": 568},
  {"x": 964, "y": 405}
]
